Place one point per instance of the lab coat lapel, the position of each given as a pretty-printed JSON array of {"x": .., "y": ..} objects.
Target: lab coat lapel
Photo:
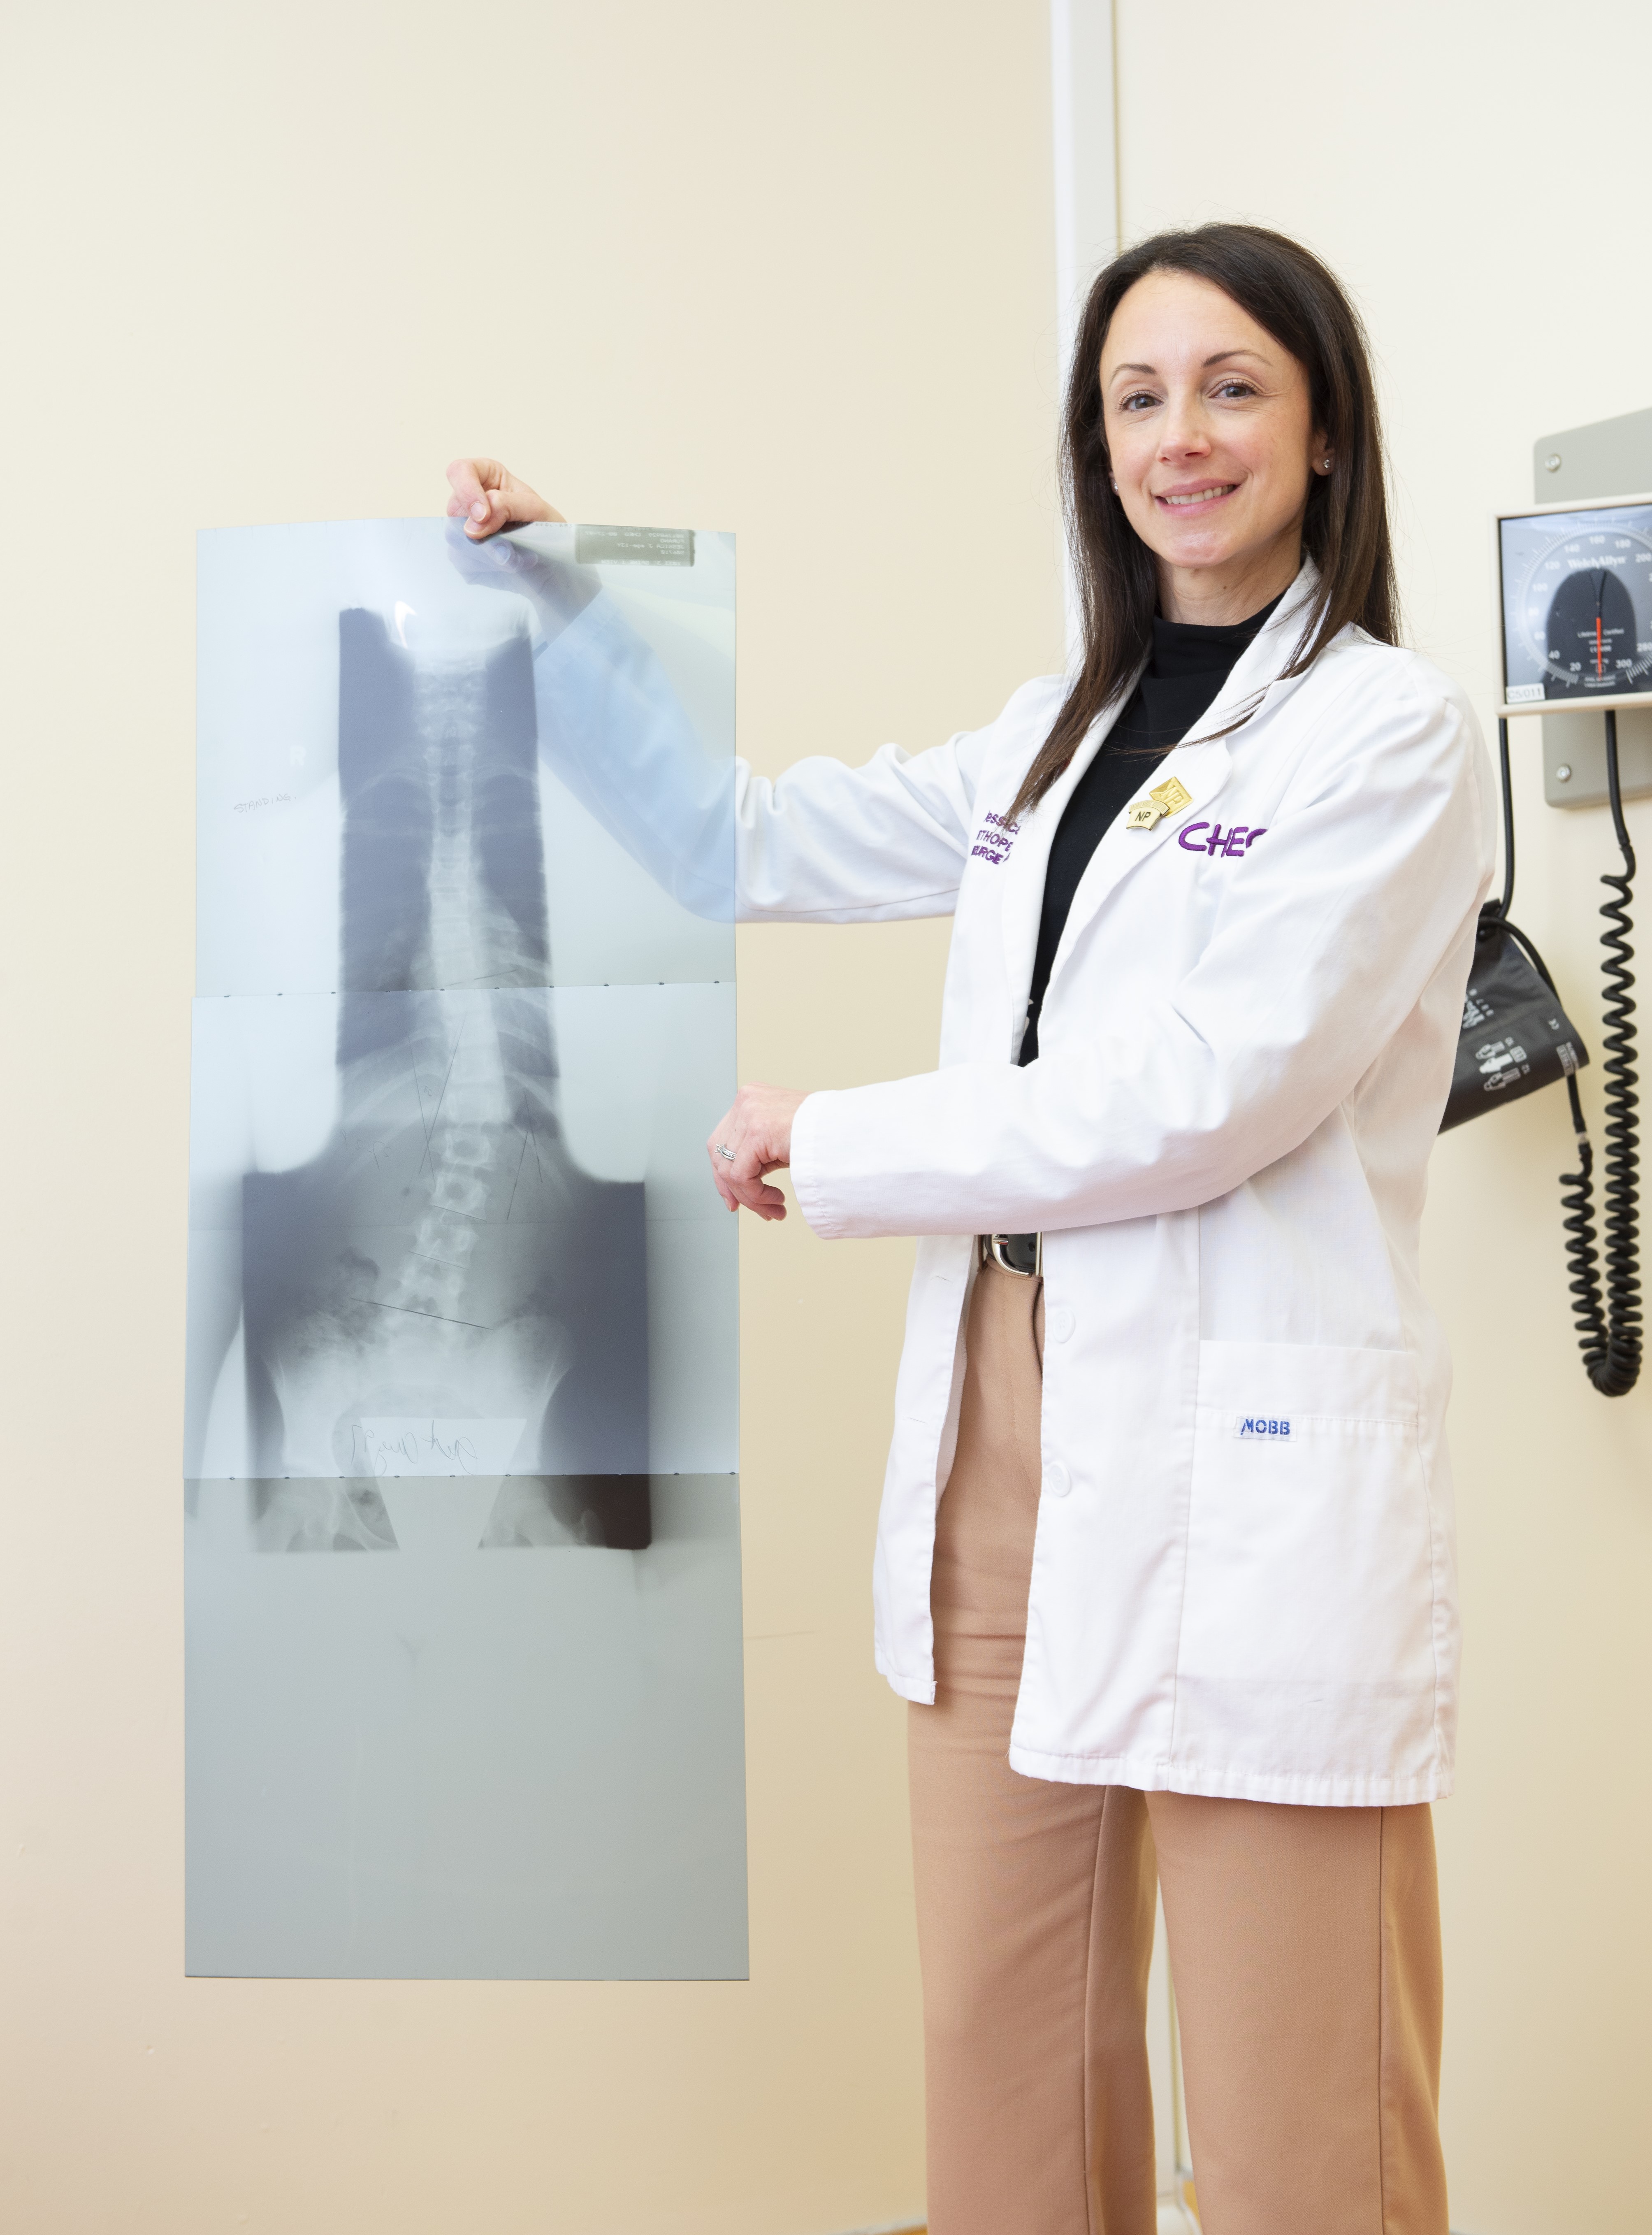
[
  {"x": 1201, "y": 768},
  {"x": 1021, "y": 901}
]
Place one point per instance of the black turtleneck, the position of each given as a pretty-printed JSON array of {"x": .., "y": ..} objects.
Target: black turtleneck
[{"x": 1184, "y": 673}]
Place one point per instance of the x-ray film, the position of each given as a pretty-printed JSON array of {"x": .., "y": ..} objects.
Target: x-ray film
[
  {"x": 402, "y": 737},
  {"x": 458, "y": 1284}
]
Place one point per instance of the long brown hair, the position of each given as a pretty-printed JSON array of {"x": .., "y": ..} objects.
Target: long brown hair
[{"x": 1288, "y": 292}]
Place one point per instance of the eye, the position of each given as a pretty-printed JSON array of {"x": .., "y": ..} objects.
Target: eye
[
  {"x": 1235, "y": 386},
  {"x": 1137, "y": 397}
]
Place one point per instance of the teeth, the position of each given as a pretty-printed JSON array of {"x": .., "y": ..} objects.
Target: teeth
[{"x": 1201, "y": 497}]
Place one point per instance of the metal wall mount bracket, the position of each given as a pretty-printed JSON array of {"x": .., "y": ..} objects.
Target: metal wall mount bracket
[{"x": 1574, "y": 757}]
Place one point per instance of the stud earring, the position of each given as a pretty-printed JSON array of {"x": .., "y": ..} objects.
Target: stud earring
[{"x": 1324, "y": 465}]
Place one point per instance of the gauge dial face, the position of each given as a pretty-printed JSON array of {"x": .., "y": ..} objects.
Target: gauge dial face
[{"x": 1577, "y": 604}]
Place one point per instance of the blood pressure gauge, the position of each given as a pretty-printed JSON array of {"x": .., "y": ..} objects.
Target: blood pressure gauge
[{"x": 1576, "y": 598}]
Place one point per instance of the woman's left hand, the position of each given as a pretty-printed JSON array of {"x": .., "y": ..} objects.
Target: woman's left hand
[{"x": 758, "y": 1131}]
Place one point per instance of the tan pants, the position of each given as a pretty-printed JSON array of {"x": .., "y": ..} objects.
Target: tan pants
[{"x": 1304, "y": 1942}]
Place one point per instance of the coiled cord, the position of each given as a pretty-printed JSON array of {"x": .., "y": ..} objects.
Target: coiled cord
[
  {"x": 1583, "y": 1259},
  {"x": 1609, "y": 1330}
]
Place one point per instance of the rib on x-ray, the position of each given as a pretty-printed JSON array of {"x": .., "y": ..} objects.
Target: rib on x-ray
[{"x": 458, "y": 1286}]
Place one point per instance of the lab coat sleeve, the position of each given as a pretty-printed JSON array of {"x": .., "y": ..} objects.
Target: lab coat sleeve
[
  {"x": 824, "y": 843},
  {"x": 1322, "y": 947},
  {"x": 612, "y": 730},
  {"x": 827, "y": 843}
]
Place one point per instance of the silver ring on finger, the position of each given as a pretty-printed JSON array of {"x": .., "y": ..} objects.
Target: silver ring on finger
[{"x": 722, "y": 1151}]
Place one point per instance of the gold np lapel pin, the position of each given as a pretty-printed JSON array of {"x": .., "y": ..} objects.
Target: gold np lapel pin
[{"x": 1165, "y": 801}]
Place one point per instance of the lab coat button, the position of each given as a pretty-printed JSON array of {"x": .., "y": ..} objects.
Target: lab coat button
[
  {"x": 1059, "y": 1326},
  {"x": 1057, "y": 1480}
]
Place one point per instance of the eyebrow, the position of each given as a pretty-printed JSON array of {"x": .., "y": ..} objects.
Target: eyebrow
[{"x": 1221, "y": 357}]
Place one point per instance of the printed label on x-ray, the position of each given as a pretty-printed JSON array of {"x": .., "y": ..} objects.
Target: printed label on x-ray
[
  {"x": 634, "y": 547},
  {"x": 390, "y": 1447}
]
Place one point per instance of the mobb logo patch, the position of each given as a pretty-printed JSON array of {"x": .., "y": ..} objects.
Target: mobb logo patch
[{"x": 1262, "y": 1428}]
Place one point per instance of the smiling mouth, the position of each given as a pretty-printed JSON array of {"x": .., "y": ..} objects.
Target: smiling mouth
[{"x": 1183, "y": 498}]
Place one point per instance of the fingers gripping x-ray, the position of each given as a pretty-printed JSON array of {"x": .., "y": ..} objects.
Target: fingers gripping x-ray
[{"x": 457, "y": 1286}]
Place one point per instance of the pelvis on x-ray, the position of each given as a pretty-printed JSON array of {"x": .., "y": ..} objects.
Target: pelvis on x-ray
[{"x": 441, "y": 1290}]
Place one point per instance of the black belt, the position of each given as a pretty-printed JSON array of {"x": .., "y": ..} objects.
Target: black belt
[{"x": 1021, "y": 1254}]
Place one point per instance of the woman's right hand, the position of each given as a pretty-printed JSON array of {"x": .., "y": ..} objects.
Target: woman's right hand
[{"x": 486, "y": 496}]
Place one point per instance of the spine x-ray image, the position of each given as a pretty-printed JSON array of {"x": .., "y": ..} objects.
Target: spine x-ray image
[{"x": 457, "y": 1285}]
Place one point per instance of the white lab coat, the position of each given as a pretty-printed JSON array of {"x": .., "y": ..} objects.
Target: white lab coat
[{"x": 1243, "y": 1578}]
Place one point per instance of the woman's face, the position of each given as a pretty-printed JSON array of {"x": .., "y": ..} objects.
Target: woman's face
[{"x": 1210, "y": 436}]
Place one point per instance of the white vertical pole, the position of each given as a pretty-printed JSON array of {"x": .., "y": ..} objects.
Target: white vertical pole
[{"x": 1085, "y": 144}]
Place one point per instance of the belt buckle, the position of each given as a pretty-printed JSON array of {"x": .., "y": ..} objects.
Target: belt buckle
[{"x": 1003, "y": 1250}]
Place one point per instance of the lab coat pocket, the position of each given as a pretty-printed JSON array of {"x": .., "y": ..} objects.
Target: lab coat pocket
[{"x": 1308, "y": 1641}]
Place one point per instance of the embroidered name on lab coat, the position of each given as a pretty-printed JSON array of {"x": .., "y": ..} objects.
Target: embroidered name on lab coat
[
  {"x": 1211, "y": 839},
  {"x": 1261, "y": 1428},
  {"x": 993, "y": 841}
]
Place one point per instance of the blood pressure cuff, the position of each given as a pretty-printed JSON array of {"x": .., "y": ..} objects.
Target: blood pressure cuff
[{"x": 1515, "y": 1036}]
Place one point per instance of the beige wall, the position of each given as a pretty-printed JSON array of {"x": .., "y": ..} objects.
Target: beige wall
[
  {"x": 1469, "y": 179},
  {"x": 778, "y": 269},
  {"x": 787, "y": 271}
]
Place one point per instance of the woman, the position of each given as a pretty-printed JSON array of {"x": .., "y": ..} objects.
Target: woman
[{"x": 1164, "y": 1562}]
